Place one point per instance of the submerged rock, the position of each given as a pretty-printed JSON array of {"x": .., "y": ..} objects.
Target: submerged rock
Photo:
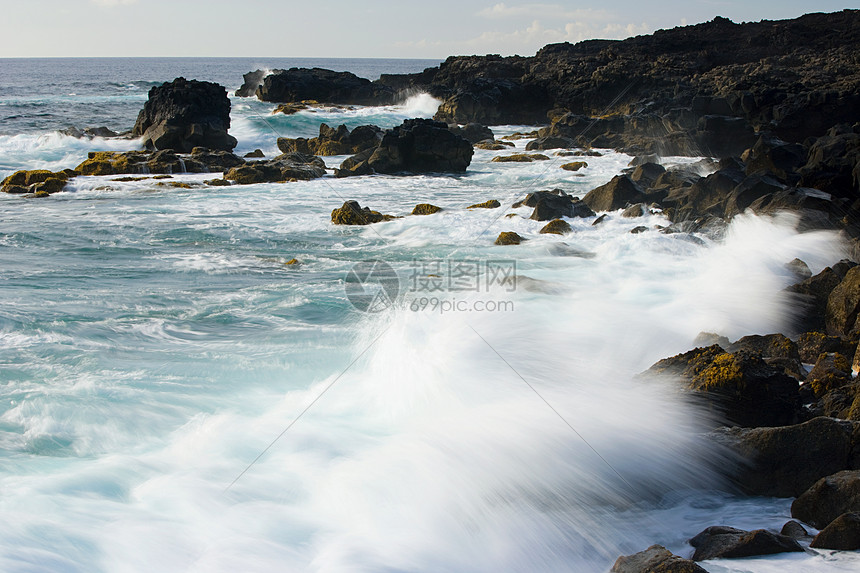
[
  {"x": 351, "y": 213},
  {"x": 425, "y": 209},
  {"x": 491, "y": 204},
  {"x": 286, "y": 167},
  {"x": 720, "y": 542},
  {"x": 520, "y": 158},
  {"x": 655, "y": 559},
  {"x": 509, "y": 238},
  {"x": 556, "y": 227}
]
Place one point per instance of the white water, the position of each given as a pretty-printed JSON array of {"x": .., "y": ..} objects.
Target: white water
[{"x": 155, "y": 345}]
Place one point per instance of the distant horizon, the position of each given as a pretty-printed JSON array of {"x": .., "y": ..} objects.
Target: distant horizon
[{"x": 372, "y": 30}]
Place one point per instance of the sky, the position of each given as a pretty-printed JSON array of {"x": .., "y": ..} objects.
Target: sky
[{"x": 432, "y": 29}]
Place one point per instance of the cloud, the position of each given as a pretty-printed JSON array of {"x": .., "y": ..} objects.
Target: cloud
[
  {"x": 111, "y": 3},
  {"x": 542, "y": 11}
]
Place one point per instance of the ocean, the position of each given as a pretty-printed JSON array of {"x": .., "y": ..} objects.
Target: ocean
[{"x": 409, "y": 397}]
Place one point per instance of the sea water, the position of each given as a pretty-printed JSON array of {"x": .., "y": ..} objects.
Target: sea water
[{"x": 175, "y": 397}]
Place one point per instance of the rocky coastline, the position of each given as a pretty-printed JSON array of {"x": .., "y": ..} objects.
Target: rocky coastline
[{"x": 775, "y": 105}]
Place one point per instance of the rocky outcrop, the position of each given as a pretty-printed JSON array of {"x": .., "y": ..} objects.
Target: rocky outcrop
[
  {"x": 813, "y": 295},
  {"x": 491, "y": 204},
  {"x": 828, "y": 498},
  {"x": 286, "y": 167},
  {"x": 184, "y": 114},
  {"x": 556, "y": 227},
  {"x": 843, "y": 306},
  {"x": 425, "y": 209},
  {"x": 786, "y": 461},
  {"x": 509, "y": 238},
  {"x": 299, "y": 84},
  {"x": 415, "y": 146},
  {"x": 617, "y": 194},
  {"x": 554, "y": 204},
  {"x": 334, "y": 141},
  {"x": 200, "y": 160},
  {"x": 739, "y": 386},
  {"x": 351, "y": 213},
  {"x": 473, "y": 132},
  {"x": 831, "y": 371},
  {"x": 39, "y": 182},
  {"x": 655, "y": 559},
  {"x": 720, "y": 542}
]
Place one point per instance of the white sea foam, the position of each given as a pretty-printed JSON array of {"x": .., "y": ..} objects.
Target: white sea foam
[
  {"x": 53, "y": 151},
  {"x": 155, "y": 345}
]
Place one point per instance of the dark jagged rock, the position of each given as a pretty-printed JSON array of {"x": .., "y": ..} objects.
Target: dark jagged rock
[
  {"x": 776, "y": 157},
  {"x": 551, "y": 207},
  {"x": 831, "y": 371},
  {"x": 739, "y": 385},
  {"x": 286, "y": 167},
  {"x": 843, "y": 306},
  {"x": 252, "y": 80},
  {"x": 843, "y": 533},
  {"x": 472, "y": 95},
  {"x": 184, "y": 114},
  {"x": 828, "y": 498},
  {"x": 554, "y": 204},
  {"x": 786, "y": 461},
  {"x": 421, "y": 146},
  {"x": 810, "y": 345},
  {"x": 351, "y": 213},
  {"x": 721, "y": 136},
  {"x": 777, "y": 350},
  {"x": 355, "y": 165},
  {"x": 720, "y": 542},
  {"x": 749, "y": 190},
  {"x": 813, "y": 294},
  {"x": 473, "y": 132},
  {"x": 617, "y": 194},
  {"x": 634, "y": 211},
  {"x": 655, "y": 559},
  {"x": 334, "y": 141},
  {"x": 832, "y": 163},
  {"x": 842, "y": 402},
  {"x": 647, "y": 174},
  {"x": 299, "y": 84}
]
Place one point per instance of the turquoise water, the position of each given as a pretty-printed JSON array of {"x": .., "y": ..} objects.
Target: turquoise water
[{"x": 174, "y": 397}]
